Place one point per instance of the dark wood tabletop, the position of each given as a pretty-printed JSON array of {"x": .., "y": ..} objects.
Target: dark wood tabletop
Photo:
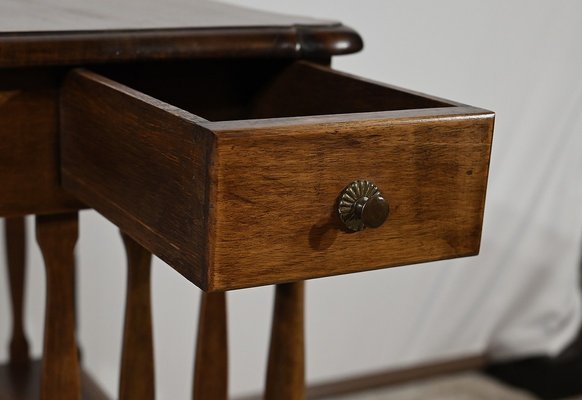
[{"x": 66, "y": 32}]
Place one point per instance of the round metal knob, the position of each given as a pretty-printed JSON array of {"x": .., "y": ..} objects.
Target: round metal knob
[{"x": 361, "y": 205}]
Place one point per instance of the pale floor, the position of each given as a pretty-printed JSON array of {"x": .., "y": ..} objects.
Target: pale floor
[{"x": 466, "y": 386}]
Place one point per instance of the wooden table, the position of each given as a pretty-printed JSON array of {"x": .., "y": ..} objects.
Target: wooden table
[{"x": 218, "y": 139}]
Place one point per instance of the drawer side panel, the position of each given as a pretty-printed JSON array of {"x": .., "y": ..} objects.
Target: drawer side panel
[{"x": 140, "y": 164}]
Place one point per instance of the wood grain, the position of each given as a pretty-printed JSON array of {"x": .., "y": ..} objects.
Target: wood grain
[
  {"x": 15, "y": 234},
  {"x": 151, "y": 161},
  {"x": 250, "y": 202},
  {"x": 274, "y": 217},
  {"x": 137, "y": 379},
  {"x": 56, "y": 236},
  {"x": 64, "y": 32},
  {"x": 110, "y": 15},
  {"x": 305, "y": 89},
  {"x": 29, "y": 147},
  {"x": 74, "y": 49},
  {"x": 286, "y": 368},
  {"x": 211, "y": 364}
]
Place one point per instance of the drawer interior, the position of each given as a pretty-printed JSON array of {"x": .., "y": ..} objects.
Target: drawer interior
[
  {"x": 250, "y": 89},
  {"x": 230, "y": 171}
]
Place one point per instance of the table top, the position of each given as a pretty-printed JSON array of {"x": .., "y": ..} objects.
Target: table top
[
  {"x": 64, "y": 32},
  {"x": 103, "y": 15}
]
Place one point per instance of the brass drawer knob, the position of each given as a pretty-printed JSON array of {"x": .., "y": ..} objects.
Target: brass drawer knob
[{"x": 361, "y": 205}]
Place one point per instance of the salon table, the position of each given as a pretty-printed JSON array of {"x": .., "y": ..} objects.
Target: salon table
[{"x": 220, "y": 140}]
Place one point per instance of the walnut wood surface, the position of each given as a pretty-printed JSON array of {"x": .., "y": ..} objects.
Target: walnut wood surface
[
  {"x": 286, "y": 368},
  {"x": 111, "y": 15},
  {"x": 137, "y": 379},
  {"x": 15, "y": 235},
  {"x": 211, "y": 364},
  {"x": 66, "y": 32},
  {"x": 304, "y": 89},
  {"x": 241, "y": 203},
  {"x": 29, "y": 147},
  {"x": 275, "y": 217},
  {"x": 61, "y": 379},
  {"x": 174, "y": 199},
  {"x": 23, "y": 383}
]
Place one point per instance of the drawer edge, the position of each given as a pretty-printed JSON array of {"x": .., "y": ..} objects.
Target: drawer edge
[{"x": 147, "y": 168}]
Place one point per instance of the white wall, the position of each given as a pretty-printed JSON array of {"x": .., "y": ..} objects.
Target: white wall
[{"x": 521, "y": 59}]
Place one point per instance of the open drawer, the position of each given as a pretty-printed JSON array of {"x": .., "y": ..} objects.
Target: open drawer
[{"x": 231, "y": 172}]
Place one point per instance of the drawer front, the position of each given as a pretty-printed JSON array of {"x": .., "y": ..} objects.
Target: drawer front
[
  {"x": 277, "y": 190},
  {"x": 242, "y": 203}
]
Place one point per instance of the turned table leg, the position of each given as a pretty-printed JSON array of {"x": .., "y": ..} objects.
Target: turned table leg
[
  {"x": 211, "y": 365},
  {"x": 15, "y": 235},
  {"x": 57, "y": 236},
  {"x": 137, "y": 379},
  {"x": 286, "y": 368}
]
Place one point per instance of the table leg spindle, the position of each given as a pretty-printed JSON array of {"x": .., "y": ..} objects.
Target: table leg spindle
[
  {"x": 16, "y": 260},
  {"x": 137, "y": 380},
  {"x": 286, "y": 368},
  {"x": 211, "y": 365},
  {"x": 57, "y": 236}
]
